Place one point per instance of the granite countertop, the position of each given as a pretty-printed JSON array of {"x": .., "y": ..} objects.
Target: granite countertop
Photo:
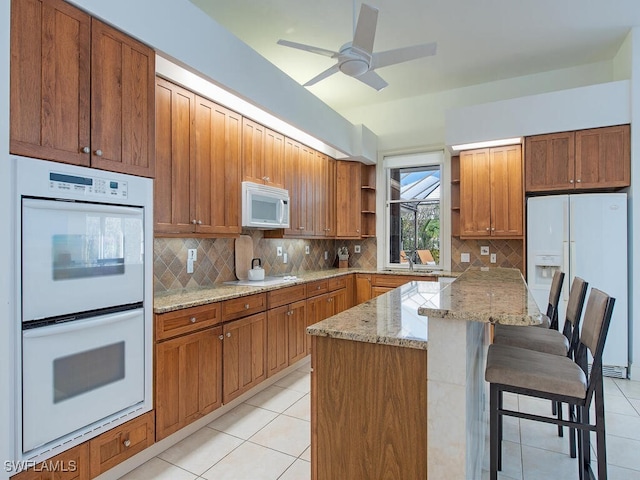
[
  {"x": 400, "y": 317},
  {"x": 391, "y": 318},
  {"x": 495, "y": 295},
  {"x": 177, "y": 299}
]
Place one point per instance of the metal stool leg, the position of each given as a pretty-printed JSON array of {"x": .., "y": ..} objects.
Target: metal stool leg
[{"x": 494, "y": 442}]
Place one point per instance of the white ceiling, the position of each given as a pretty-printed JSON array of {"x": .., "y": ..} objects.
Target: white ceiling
[{"x": 478, "y": 40}]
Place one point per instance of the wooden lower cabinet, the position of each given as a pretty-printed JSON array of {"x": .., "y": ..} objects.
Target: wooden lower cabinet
[
  {"x": 363, "y": 288},
  {"x": 385, "y": 283},
  {"x": 297, "y": 332},
  {"x": 118, "y": 444},
  {"x": 70, "y": 465},
  {"x": 277, "y": 339},
  {"x": 188, "y": 383},
  {"x": 368, "y": 410},
  {"x": 244, "y": 355}
]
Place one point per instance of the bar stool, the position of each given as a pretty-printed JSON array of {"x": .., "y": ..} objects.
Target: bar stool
[
  {"x": 548, "y": 340},
  {"x": 557, "y": 378}
]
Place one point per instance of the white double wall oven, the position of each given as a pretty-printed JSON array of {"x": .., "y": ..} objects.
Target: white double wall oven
[{"x": 84, "y": 325}]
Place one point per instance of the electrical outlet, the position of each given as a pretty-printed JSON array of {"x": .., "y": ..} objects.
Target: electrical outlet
[
  {"x": 356, "y": 249},
  {"x": 484, "y": 250},
  {"x": 192, "y": 254},
  {"x": 493, "y": 258},
  {"x": 279, "y": 251},
  {"x": 326, "y": 255},
  {"x": 189, "y": 266},
  {"x": 306, "y": 249},
  {"x": 285, "y": 258},
  {"x": 465, "y": 258}
]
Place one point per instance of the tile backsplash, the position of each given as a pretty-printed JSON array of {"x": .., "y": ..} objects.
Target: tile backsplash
[
  {"x": 216, "y": 258},
  {"x": 509, "y": 253}
]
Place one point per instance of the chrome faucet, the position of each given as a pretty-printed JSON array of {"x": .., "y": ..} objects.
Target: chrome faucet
[{"x": 409, "y": 258}]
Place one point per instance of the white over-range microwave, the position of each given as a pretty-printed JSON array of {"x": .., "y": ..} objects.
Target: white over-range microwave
[{"x": 264, "y": 207}]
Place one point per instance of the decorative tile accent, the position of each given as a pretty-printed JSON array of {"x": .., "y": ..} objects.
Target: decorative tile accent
[
  {"x": 510, "y": 254},
  {"x": 216, "y": 258}
]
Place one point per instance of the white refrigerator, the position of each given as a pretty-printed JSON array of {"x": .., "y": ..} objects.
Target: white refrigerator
[{"x": 584, "y": 235}]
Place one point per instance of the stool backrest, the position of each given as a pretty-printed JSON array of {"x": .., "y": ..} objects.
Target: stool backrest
[
  {"x": 554, "y": 298},
  {"x": 597, "y": 317},
  {"x": 577, "y": 296}
]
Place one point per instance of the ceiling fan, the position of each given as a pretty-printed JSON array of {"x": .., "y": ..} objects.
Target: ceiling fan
[{"x": 357, "y": 59}]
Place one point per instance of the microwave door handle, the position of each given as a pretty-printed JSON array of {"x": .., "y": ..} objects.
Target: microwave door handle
[
  {"x": 75, "y": 325},
  {"x": 281, "y": 212}
]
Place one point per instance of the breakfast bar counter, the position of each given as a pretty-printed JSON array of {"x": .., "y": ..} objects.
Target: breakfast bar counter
[{"x": 397, "y": 388}]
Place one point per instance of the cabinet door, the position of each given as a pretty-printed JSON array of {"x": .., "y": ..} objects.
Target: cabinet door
[
  {"x": 116, "y": 445},
  {"x": 277, "y": 339},
  {"x": 188, "y": 383},
  {"x": 217, "y": 146},
  {"x": 320, "y": 195},
  {"x": 50, "y": 81},
  {"x": 316, "y": 312},
  {"x": 273, "y": 158},
  {"x": 297, "y": 331},
  {"x": 244, "y": 355},
  {"x": 363, "y": 288},
  {"x": 475, "y": 193},
  {"x": 348, "y": 190},
  {"x": 338, "y": 302},
  {"x": 122, "y": 102},
  {"x": 307, "y": 183},
  {"x": 175, "y": 114},
  {"x": 603, "y": 157},
  {"x": 292, "y": 155},
  {"x": 549, "y": 162},
  {"x": 252, "y": 151},
  {"x": 74, "y": 465},
  {"x": 507, "y": 194}
]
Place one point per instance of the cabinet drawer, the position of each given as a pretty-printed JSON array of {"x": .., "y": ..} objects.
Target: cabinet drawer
[
  {"x": 243, "y": 306},
  {"x": 317, "y": 288},
  {"x": 72, "y": 464},
  {"x": 187, "y": 320},
  {"x": 337, "y": 283},
  {"x": 115, "y": 446},
  {"x": 284, "y": 296},
  {"x": 391, "y": 281}
]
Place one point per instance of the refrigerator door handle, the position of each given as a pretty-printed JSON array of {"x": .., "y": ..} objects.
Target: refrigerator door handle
[{"x": 565, "y": 266}]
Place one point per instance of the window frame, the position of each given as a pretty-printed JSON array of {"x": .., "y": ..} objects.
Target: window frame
[{"x": 425, "y": 158}]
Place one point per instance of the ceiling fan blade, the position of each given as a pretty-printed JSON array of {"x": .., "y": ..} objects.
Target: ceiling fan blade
[
  {"x": 365, "y": 29},
  {"x": 372, "y": 79},
  {"x": 321, "y": 76},
  {"x": 308, "y": 48},
  {"x": 399, "y": 55}
]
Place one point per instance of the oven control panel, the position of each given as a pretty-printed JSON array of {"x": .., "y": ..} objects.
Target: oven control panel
[{"x": 94, "y": 187}]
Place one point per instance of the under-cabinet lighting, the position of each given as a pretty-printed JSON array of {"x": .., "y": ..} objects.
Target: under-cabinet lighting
[{"x": 489, "y": 143}]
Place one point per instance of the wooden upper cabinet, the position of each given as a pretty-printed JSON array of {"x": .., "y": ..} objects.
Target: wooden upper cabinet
[
  {"x": 324, "y": 196},
  {"x": 549, "y": 162},
  {"x": 175, "y": 115},
  {"x": 475, "y": 193},
  {"x": 348, "y": 191},
  {"x": 593, "y": 159},
  {"x": 603, "y": 157},
  {"x": 122, "y": 102},
  {"x": 216, "y": 196},
  {"x": 81, "y": 91},
  {"x": 507, "y": 192},
  {"x": 262, "y": 154},
  {"x": 50, "y": 81},
  {"x": 491, "y": 193}
]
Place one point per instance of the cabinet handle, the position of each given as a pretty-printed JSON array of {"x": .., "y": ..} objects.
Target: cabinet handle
[
  {"x": 300, "y": 228},
  {"x": 221, "y": 337},
  {"x": 246, "y": 306},
  {"x": 487, "y": 229},
  {"x": 86, "y": 150},
  {"x": 571, "y": 181},
  {"x": 192, "y": 319},
  {"x": 266, "y": 179},
  {"x": 194, "y": 221},
  {"x": 228, "y": 334},
  {"x": 127, "y": 443},
  {"x": 98, "y": 152},
  {"x": 318, "y": 287},
  {"x": 199, "y": 222},
  {"x": 578, "y": 181}
]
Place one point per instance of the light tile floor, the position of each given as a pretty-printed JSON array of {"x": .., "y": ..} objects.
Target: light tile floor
[{"x": 268, "y": 437}]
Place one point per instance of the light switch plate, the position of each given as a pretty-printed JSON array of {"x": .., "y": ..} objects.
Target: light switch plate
[
  {"x": 192, "y": 254},
  {"x": 285, "y": 258},
  {"x": 493, "y": 258},
  {"x": 306, "y": 249},
  {"x": 465, "y": 258},
  {"x": 279, "y": 251},
  {"x": 484, "y": 250},
  {"x": 356, "y": 249}
]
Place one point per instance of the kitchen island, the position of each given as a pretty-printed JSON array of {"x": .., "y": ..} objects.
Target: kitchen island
[{"x": 397, "y": 387}]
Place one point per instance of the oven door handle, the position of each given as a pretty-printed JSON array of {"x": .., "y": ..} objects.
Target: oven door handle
[
  {"x": 99, "y": 208},
  {"x": 75, "y": 325}
]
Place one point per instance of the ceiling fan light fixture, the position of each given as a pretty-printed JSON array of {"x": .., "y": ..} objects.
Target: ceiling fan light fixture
[{"x": 354, "y": 67}]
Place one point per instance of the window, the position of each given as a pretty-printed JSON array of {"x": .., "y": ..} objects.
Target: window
[{"x": 413, "y": 210}]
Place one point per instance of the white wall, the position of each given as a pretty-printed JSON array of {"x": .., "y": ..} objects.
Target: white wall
[
  {"x": 420, "y": 121},
  {"x": 6, "y": 262}
]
